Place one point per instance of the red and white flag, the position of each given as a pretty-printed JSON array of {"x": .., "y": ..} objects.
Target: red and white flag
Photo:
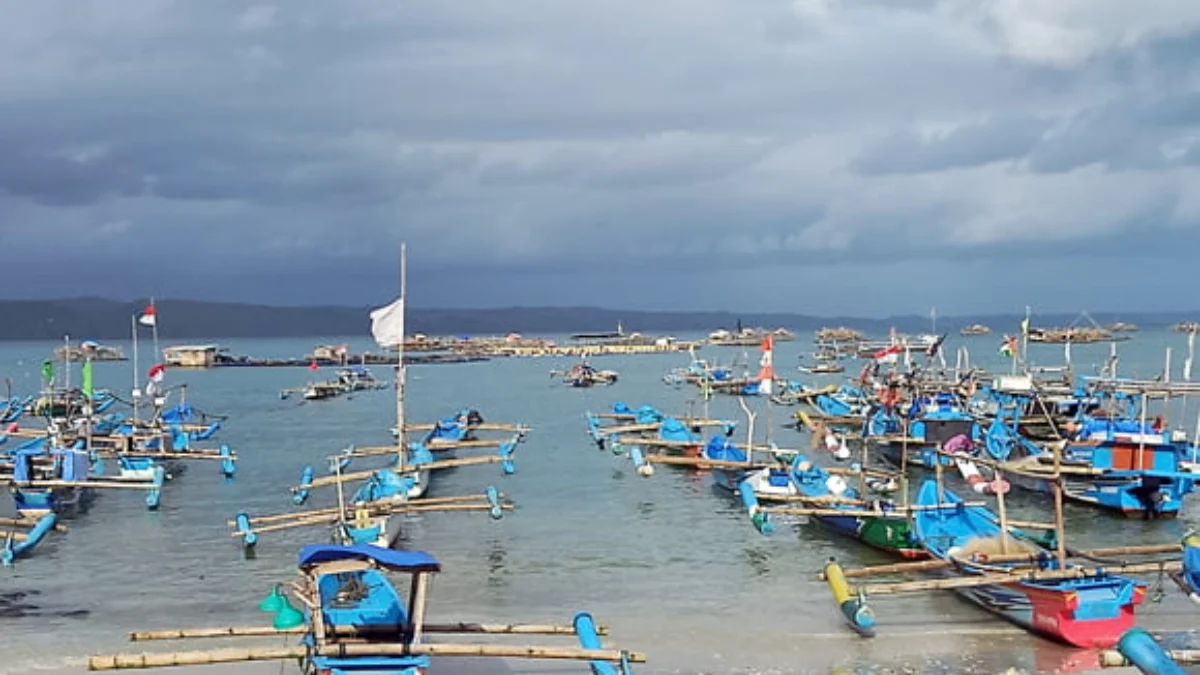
[
  {"x": 766, "y": 371},
  {"x": 149, "y": 316},
  {"x": 888, "y": 354},
  {"x": 157, "y": 372}
]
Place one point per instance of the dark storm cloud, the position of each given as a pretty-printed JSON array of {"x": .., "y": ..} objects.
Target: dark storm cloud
[{"x": 551, "y": 150}]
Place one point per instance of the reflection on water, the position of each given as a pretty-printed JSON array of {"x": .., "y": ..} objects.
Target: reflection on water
[
  {"x": 758, "y": 559},
  {"x": 497, "y": 567}
]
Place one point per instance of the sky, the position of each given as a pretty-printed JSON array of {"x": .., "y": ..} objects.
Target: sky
[{"x": 853, "y": 157}]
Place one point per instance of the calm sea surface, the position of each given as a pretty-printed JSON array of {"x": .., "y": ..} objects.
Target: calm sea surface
[{"x": 668, "y": 562}]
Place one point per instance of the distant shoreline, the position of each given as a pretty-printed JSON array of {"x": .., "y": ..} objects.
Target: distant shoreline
[{"x": 101, "y": 319}]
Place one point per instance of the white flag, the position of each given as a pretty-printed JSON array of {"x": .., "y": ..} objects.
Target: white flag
[{"x": 387, "y": 324}]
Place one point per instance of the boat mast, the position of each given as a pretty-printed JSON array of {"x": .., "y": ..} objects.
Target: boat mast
[
  {"x": 1025, "y": 338},
  {"x": 401, "y": 446},
  {"x": 67, "y": 362},
  {"x": 137, "y": 393}
]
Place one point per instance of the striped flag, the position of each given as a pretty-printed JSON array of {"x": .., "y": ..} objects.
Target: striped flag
[{"x": 766, "y": 371}]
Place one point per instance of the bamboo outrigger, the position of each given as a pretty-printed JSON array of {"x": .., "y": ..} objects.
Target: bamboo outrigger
[{"x": 355, "y": 620}]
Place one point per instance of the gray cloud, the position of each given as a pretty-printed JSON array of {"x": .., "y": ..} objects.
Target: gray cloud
[{"x": 546, "y": 149}]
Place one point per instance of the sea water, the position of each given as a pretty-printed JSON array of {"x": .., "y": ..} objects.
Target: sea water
[{"x": 669, "y": 562}]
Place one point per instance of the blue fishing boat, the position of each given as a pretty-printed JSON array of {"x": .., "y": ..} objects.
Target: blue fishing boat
[
  {"x": 1128, "y": 466},
  {"x": 931, "y": 423},
  {"x": 357, "y": 621},
  {"x": 1189, "y": 577},
  {"x": 353, "y": 594},
  {"x": 808, "y": 480},
  {"x": 1090, "y": 611},
  {"x": 38, "y": 462}
]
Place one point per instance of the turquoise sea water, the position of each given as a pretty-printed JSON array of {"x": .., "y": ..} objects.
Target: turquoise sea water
[{"x": 669, "y": 562}]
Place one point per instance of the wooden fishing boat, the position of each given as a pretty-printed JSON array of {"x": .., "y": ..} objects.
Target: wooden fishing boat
[
  {"x": 89, "y": 350},
  {"x": 346, "y": 381},
  {"x": 357, "y": 621},
  {"x": 583, "y": 375},
  {"x": 925, "y": 428},
  {"x": 822, "y": 367},
  {"x": 1091, "y": 610},
  {"x": 890, "y": 532},
  {"x": 1117, "y": 464},
  {"x": 49, "y": 480},
  {"x": 650, "y": 427}
]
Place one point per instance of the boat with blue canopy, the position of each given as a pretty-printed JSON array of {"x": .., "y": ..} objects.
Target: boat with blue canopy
[{"x": 357, "y": 621}]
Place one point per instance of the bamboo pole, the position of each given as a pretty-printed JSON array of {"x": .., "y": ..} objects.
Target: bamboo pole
[
  {"x": 492, "y": 650},
  {"x": 82, "y": 484},
  {"x": 1003, "y": 517},
  {"x": 1017, "y": 575},
  {"x": 486, "y": 426},
  {"x": 430, "y": 466},
  {"x": 25, "y": 522},
  {"x": 1060, "y": 530},
  {"x": 380, "y": 503},
  {"x": 1111, "y": 658},
  {"x": 926, "y": 565},
  {"x": 400, "y": 507},
  {"x": 195, "y": 658},
  {"x": 236, "y": 655},
  {"x": 351, "y": 631}
]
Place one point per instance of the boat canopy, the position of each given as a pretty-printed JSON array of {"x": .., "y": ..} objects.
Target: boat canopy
[{"x": 400, "y": 561}]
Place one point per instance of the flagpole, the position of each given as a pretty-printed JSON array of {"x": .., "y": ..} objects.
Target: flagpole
[
  {"x": 154, "y": 329},
  {"x": 67, "y": 362},
  {"x": 400, "y": 443},
  {"x": 136, "y": 392},
  {"x": 1025, "y": 338}
]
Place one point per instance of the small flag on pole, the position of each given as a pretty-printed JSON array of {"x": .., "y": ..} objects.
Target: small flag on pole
[
  {"x": 1009, "y": 348},
  {"x": 149, "y": 316},
  {"x": 88, "y": 389},
  {"x": 1025, "y": 326},
  {"x": 48, "y": 371},
  {"x": 766, "y": 373},
  {"x": 157, "y": 372},
  {"x": 888, "y": 354}
]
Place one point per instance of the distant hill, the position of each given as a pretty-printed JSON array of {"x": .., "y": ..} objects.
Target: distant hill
[{"x": 102, "y": 319}]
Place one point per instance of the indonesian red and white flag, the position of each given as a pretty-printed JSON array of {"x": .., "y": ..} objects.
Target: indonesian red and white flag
[
  {"x": 888, "y": 354},
  {"x": 766, "y": 372},
  {"x": 157, "y": 372},
  {"x": 149, "y": 316},
  {"x": 387, "y": 324}
]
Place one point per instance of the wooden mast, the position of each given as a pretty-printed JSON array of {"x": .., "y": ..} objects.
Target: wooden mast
[{"x": 401, "y": 445}]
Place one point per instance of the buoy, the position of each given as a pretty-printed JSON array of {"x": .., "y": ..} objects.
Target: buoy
[{"x": 854, "y": 607}]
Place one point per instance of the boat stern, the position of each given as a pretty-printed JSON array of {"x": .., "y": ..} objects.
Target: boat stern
[{"x": 1090, "y": 613}]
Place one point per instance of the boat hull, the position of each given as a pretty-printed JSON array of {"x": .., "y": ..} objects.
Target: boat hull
[{"x": 1057, "y": 613}]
